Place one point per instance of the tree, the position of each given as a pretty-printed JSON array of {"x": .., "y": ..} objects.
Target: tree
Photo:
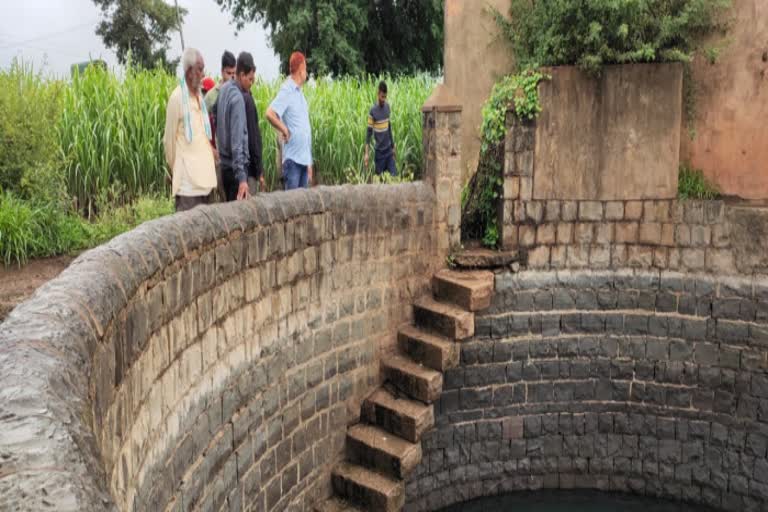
[
  {"x": 350, "y": 36},
  {"x": 141, "y": 29}
]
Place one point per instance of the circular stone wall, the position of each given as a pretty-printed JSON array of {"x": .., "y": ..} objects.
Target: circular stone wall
[
  {"x": 648, "y": 383},
  {"x": 210, "y": 360}
]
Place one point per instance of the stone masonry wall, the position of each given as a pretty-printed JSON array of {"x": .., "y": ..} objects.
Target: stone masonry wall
[
  {"x": 210, "y": 360},
  {"x": 645, "y": 382},
  {"x": 695, "y": 236}
]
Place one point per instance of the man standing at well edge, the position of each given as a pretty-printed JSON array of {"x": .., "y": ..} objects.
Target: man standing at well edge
[
  {"x": 289, "y": 115},
  {"x": 188, "y": 150}
]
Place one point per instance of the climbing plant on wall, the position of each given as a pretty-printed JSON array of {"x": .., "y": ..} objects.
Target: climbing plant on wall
[
  {"x": 518, "y": 93},
  {"x": 593, "y": 33},
  {"x": 586, "y": 33}
]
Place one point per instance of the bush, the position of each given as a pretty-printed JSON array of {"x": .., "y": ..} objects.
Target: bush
[
  {"x": 692, "y": 184},
  {"x": 111, "y": 131},
  {"x": 32, "y": 230},
  {"x": 593, "y": 33},
  {"x": 29, "y": 156}
]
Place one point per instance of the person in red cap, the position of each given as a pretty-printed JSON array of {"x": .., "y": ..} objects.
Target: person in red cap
[{"x": 208, "y": 84}]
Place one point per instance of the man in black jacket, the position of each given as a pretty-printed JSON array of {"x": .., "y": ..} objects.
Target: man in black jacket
[{"x": 255, "y": 164}]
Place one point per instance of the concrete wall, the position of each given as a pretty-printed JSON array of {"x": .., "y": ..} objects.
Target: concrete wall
[
  {"x": 650, "y": 383},
  {"x": 612, "y": 137},
  {"x": 731, "y": 142},
  {"x": 474, "y": 60}
]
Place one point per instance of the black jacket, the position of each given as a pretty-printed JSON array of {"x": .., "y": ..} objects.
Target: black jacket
[{"x": 255, "y": 165}]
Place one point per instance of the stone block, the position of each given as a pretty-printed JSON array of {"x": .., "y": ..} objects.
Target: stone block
[
  {"x": 545, "y": 234},
  {"x": 650, "y": 233},
  {"x": 539, "y": 257},
  {"x": 633, "y": 210},
  {"x": 700, "y": 236},
  {"x": 527, "y": 235},
  {"x": 584, "y": 233},
  {"x": 564, "y": 234},
  {"x": 590, "y": 211},
  {"x": 512, "y": 187},
  {"x": 604, "y": 233},
  {"x": 626, "y": 232},
  {"x": 552, "y": 211},
  {"x": 569, "y": 211},
  {"x": 614, "y": 210},
  {"x": 693, "y": 259}
]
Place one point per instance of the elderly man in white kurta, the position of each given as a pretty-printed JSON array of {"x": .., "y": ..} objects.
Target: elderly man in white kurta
[{"x": 188, "y": 149}]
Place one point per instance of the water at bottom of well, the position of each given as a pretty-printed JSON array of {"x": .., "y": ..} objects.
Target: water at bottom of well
[{"x": 562, "y": 501}]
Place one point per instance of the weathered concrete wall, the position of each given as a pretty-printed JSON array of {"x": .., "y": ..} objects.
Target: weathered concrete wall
[
  {"x": 207, "y": 359},
  {"x": 612, "y": 137},
  {"x": 731, "y": 142},
  {"x": 696, "y": 236},
  {"x": 652, "y": 383},
  {"x": 475, "y": 58}
]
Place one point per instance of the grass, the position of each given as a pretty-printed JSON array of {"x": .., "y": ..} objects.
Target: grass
[
  {"x": 693, "y": 185},
  {"x": 35, "y": 230},
  {"x": 83, "y": 161}
]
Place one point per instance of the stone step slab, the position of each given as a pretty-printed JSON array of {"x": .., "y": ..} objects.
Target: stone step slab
[
  {"x": 445, "y": 319},
  {"x": 428, "y": 349},
  {"x": 375, "y": 448},
  {"x": 470, "y": 290},
  {"x": 371, "y": 491},
  {"x": 416, "y": 381},
  {"x": 402, "y": 417},
  {"x": 336, "y": 505}
]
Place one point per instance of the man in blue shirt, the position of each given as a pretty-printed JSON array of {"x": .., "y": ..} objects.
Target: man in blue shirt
[
  {"x": 289, "y": 115},
  {"x": 380, "y": 130}
]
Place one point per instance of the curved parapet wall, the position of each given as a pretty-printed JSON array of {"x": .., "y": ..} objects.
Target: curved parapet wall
[
  {"x": 206, "y": 360},
  {"x": 653, "y": 383}
]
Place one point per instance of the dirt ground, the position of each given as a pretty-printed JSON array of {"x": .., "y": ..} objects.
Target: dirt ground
[{"x": 18, "y": 283}]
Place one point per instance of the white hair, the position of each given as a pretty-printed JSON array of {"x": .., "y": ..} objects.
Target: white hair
[{"x": 189, "y": 58}]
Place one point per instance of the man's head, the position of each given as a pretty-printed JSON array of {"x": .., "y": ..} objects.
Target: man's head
[
  {"x": 193, "y": 65},
  {"x": 246, "y": 70},
  {"x": 228, "y": 65},
  {"x": 297, "y": 65},
  {"x": 382, "y": 93}
]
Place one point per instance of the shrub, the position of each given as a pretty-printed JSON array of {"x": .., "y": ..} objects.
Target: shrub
[
  {"x": 593, "y": 33},
  {"x": 29, "y": 158},
  {"x": 693, "y": 185}
]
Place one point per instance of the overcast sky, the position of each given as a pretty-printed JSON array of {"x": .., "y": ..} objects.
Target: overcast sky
[{"x": 58, "y": 33}]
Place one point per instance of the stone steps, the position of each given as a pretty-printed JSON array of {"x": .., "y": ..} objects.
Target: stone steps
[
  {"x": 399, "y": 416},
  {"x": 428, "y": 349},
  {"x": 471, "y": 290},
  {"x": 370, "y": 490},
  {"x": 416, "y": 381},
  {"x": 386, "y": 447},
  {"x": 445, "y": 319},
  {"x": 372, "y": 447}
]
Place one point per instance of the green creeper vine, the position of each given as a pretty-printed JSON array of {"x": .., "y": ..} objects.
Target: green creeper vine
[{"x": 519, "y": 93}]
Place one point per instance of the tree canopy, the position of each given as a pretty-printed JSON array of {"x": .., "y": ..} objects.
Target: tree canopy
[
  {"x": 141, "y": 29},
  {"x": 348, "y": 37}
]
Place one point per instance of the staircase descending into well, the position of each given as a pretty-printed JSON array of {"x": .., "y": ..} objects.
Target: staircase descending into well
[{"x": 385, "y": 447}]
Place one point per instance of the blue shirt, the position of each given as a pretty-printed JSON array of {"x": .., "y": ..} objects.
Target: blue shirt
[{"x": 291, "y": 105}]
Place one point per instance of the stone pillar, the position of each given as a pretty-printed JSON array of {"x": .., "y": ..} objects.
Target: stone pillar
[
  {"x": 442, "y": 163},
  {"x": 519, "y": 145}
]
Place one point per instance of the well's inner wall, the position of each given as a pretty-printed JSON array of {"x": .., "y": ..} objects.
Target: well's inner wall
[
  {"x": 224, "y": 380},
  {"x": 634, "y": 381}
]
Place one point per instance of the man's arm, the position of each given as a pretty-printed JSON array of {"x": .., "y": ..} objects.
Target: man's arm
[
  {"x": 256, "y": 153},
  {"x": 277, "y": 124},
  {"x": 239, "y": 141},
  {"x": 368, "y": 136},
  {"x": 275, "y": 112},
  {"x": 171, "y": 124}
]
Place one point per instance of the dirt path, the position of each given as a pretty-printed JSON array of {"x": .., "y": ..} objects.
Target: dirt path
[{"x": 18, "y": 283}]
